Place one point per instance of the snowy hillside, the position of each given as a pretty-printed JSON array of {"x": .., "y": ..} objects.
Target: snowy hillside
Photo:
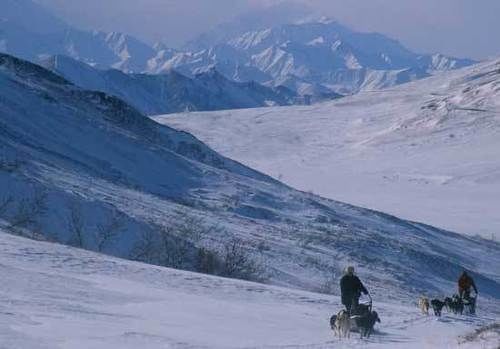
[
  {"x": 85, "y": 169},
  {"x": 426, "y": 151},
  {"x": 58, "y": 297},
  {"x": 170, "y": 92}
]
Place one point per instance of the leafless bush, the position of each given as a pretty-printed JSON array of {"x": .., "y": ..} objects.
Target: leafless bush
[
  {"x": 192, "y": 228},
  {"x": 208, "y": 261},
  {"x": 108, "y": 231},
  {"x": 174, "y": 251},
  {"x": 238, "y": 263},
  {"x": 146, "y": 247},
  {"x": 76, "y": 225},
  {"x": 179, "y": 244},
  {"x": 28, "y": 212},
  {"x": 161, "y": 246}
]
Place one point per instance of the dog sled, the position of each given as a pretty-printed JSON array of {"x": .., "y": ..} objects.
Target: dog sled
[
  {"x": 470, "y": 304},
  {"x": 362, "y": 310},
  {"x": 361, "y": 320}
]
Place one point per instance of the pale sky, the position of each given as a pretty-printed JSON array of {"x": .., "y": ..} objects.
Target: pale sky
[{"x": 464, "y": 28}]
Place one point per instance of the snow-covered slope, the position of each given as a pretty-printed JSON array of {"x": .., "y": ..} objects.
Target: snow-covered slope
[
  {"x": 315, "y": 52},
  {"x": 97, "y": 158},
  {"x": 426, "y": 150},
  {"x": 59, "y": 297},
  {"x": 170, "y": 92}
]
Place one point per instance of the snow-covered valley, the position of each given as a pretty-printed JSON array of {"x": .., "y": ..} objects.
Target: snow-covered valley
[
  {"x": 425, "y": 151},
  {"x": 54, "y": 296}
]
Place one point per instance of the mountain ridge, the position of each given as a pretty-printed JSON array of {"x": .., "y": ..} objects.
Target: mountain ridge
[
  {"x": 326, "y": 57},
  {"x": 170, "y": 91}
]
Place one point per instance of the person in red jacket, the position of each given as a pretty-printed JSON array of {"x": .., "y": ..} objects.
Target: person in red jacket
[{"x": 465, "y": 283}]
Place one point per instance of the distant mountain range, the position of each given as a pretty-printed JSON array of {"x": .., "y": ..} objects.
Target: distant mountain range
[
  {"x": 315, "y": 55},
  {"x": 320, "y": 58},
  {"x": 170, "y": 91},
  {"x": 29, "y": 31}
]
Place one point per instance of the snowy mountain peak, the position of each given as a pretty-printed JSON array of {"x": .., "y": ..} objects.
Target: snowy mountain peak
[
  {"x": 319, "y": 52},
  {"x": 326, "y": 20}
]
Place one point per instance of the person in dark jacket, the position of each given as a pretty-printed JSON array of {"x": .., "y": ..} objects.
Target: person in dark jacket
[
  {"x": 351, "y": 289},
  {"x": 465, "y": 283}
]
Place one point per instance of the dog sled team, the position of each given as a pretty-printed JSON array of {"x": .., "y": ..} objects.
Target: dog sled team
[
  {"x": 460, "y": 302},
  {"x": 355, "y": 316},
  {"x": 362, "y": 318}
]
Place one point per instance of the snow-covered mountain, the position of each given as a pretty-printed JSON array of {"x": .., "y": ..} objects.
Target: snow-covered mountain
[
  {"x": 84, "y": 168},
  {"x": 320, "y": 52},
  {"x": 274, "y": 14},
  {"x": 29, "y": 31},
  {"x": 99, "y": 302},
  {"x": 170, "y": 91},
  {"x": 320, "y": 58},
  {"x": 426, "y": 151}
]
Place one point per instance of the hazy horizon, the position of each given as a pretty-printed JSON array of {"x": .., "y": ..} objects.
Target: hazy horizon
[{"x": 454, "y": 27}]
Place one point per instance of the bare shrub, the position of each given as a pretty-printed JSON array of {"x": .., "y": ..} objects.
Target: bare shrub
[
  {"x": 191, "y": 227},
  {"x": 108, "y": 231},
  {"x": 208, "y": 261},
  {"x": 28, "y": 212},
  {"x": 146, "y": 248},
  {"x": 238, "y": 263},
  {"x": 76, "y": 225},
  {"x": 162, "y": 246},
  {"x": 179, "y": 244},
  {"x": 173, "y": 250}
]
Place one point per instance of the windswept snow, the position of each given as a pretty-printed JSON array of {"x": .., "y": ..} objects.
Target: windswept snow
[
  {"x": 425, "y": 151},
  {"x": 59, "y": 297}
]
